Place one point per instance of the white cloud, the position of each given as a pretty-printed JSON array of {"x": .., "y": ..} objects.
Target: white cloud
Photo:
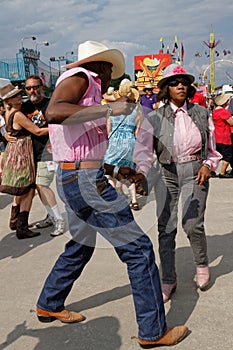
[{"x": 134, "y": 27}]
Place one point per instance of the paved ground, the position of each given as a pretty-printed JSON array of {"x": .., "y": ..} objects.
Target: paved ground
[{"x": 103, "y": 292}]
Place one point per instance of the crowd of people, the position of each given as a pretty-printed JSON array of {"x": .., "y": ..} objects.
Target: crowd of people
[{"x": 100, "y": 142}]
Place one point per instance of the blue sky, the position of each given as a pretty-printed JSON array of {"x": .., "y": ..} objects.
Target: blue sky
[{"x": 134, "y": 27}]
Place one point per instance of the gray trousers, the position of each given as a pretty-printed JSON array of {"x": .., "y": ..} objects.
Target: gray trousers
[{"x": 178, "y": 181}]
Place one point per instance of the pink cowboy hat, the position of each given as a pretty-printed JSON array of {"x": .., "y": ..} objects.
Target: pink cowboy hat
[{"x": 174, "y": 70}]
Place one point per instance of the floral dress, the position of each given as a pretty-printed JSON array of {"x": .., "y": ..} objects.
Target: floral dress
[{"x": 122, "y": 141}]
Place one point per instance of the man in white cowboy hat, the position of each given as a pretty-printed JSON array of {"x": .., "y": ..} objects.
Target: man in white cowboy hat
[
  {"x": 183, "y": 141},
  {"x": 79, "y": 140}
]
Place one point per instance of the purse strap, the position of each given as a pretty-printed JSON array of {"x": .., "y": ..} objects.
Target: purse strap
[
  {"x": 113, "y": 132},
  {"x": 122, "y": 121}
]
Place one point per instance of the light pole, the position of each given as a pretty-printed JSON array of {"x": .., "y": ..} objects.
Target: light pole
[
  {"x": 27, "y": 37},
  {"x": 22, "y": 52},
  {"x": 71, "y": 52},
  {"x": 53, "y": 59},
  {"x": 45, "y": 43}
]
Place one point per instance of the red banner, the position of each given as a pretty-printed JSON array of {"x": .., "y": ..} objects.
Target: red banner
[{"x": 148, "y": 69}]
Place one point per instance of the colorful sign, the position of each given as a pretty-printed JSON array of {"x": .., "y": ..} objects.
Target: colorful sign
[{"x": 148, "y": 69}]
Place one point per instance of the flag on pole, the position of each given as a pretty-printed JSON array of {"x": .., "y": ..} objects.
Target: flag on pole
[
  {"x": 175, "y": 45},
  {"x": 162, "y": 45},
  {"x": 182, "y": 52}
]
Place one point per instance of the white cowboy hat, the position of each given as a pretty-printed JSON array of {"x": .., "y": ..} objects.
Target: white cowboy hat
[
  {"x": 91, "y": 51},
  {"x": 7, "y": 90}
]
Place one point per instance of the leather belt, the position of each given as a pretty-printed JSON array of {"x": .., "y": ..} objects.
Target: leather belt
[
  {"x": 81, "y": 164},
  {"x": 186, "y": 159}
]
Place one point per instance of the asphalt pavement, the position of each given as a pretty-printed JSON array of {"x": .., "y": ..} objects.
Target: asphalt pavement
[{"x": 103, "y": 292}]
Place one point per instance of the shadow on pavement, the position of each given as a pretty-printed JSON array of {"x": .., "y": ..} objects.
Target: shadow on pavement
[
  {"x": 102, "y": 298},
  {"x": 5, "y": 200},
  {"x": 100, "y": 333},
  {"x": 11, "y": 246},
  {"x": 184, "y": 300}
]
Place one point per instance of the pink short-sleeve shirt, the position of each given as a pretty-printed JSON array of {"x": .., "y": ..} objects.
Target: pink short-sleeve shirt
[{"x": 86, "y": 141}]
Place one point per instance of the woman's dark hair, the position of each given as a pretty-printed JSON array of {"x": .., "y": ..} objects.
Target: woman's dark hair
[{"x": 163, "y": 94}]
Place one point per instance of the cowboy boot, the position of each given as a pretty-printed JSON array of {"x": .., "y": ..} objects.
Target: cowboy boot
[
  {"x": 14, "y": 216},
  {"x": 22, "y": 230},
  {"x": 202, "y": 277}
]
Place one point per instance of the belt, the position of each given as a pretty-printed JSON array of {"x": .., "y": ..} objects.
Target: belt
[
  {"x": 81, "y": 164},
  {"x": 186, "y": 159}
]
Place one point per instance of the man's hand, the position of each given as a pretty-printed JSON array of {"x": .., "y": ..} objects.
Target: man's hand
[
  {"x": 122, "y": 106},
  {"x": 124, "y": 173},
  {"x": 10, "y": 138},
  {"x": 203, "y": 175},
  {"x": 137, "y": 178}
]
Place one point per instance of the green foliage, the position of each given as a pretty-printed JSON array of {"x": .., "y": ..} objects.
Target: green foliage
[{"x": 116, "y": 82}]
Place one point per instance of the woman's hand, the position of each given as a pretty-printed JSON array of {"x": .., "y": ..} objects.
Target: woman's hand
[{"x": 203, "y": 175}]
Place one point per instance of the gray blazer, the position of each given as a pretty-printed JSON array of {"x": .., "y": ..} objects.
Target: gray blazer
[{"x": 163, "y": 121}]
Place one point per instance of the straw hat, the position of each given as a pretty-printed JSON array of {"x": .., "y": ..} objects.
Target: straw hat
[
  {"x": 7, "y": 90},
  {"x": 174, "y": 70},
  {"x": 126, "y": 88},
  {"x": 110, "y": 90},
  {"x": 148, "y": 87},
  {"x": 91, "y": 51},
  {"x": 222, "y": 99},
  {"x": 126, "y": 81}
]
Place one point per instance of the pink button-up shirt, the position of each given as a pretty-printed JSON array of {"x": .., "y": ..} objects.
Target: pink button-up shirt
[
  {"x": 186, "y": 141},
  {"x": 86, "y": 141},
  {"x": 187, "y": 138}
]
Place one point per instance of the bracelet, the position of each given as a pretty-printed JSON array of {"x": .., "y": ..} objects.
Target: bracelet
[
  {"x": 115, "y": 171},
  {"x": 110, "y": 111},
  {"x": 207, "y": 166}
]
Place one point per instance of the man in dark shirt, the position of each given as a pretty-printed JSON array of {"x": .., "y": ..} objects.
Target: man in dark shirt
[{"x": 34, "y": 109}]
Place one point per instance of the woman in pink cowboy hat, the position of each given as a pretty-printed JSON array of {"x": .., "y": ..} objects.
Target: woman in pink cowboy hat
[{"x": 185, "y": 148}]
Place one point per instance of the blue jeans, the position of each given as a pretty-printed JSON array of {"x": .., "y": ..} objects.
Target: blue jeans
[{"x": 94, "y": 205}]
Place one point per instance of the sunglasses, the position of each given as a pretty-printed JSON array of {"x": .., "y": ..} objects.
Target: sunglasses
[
  {"x": 35, "y": 87},
  {"x": 176, "y": 82}
]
